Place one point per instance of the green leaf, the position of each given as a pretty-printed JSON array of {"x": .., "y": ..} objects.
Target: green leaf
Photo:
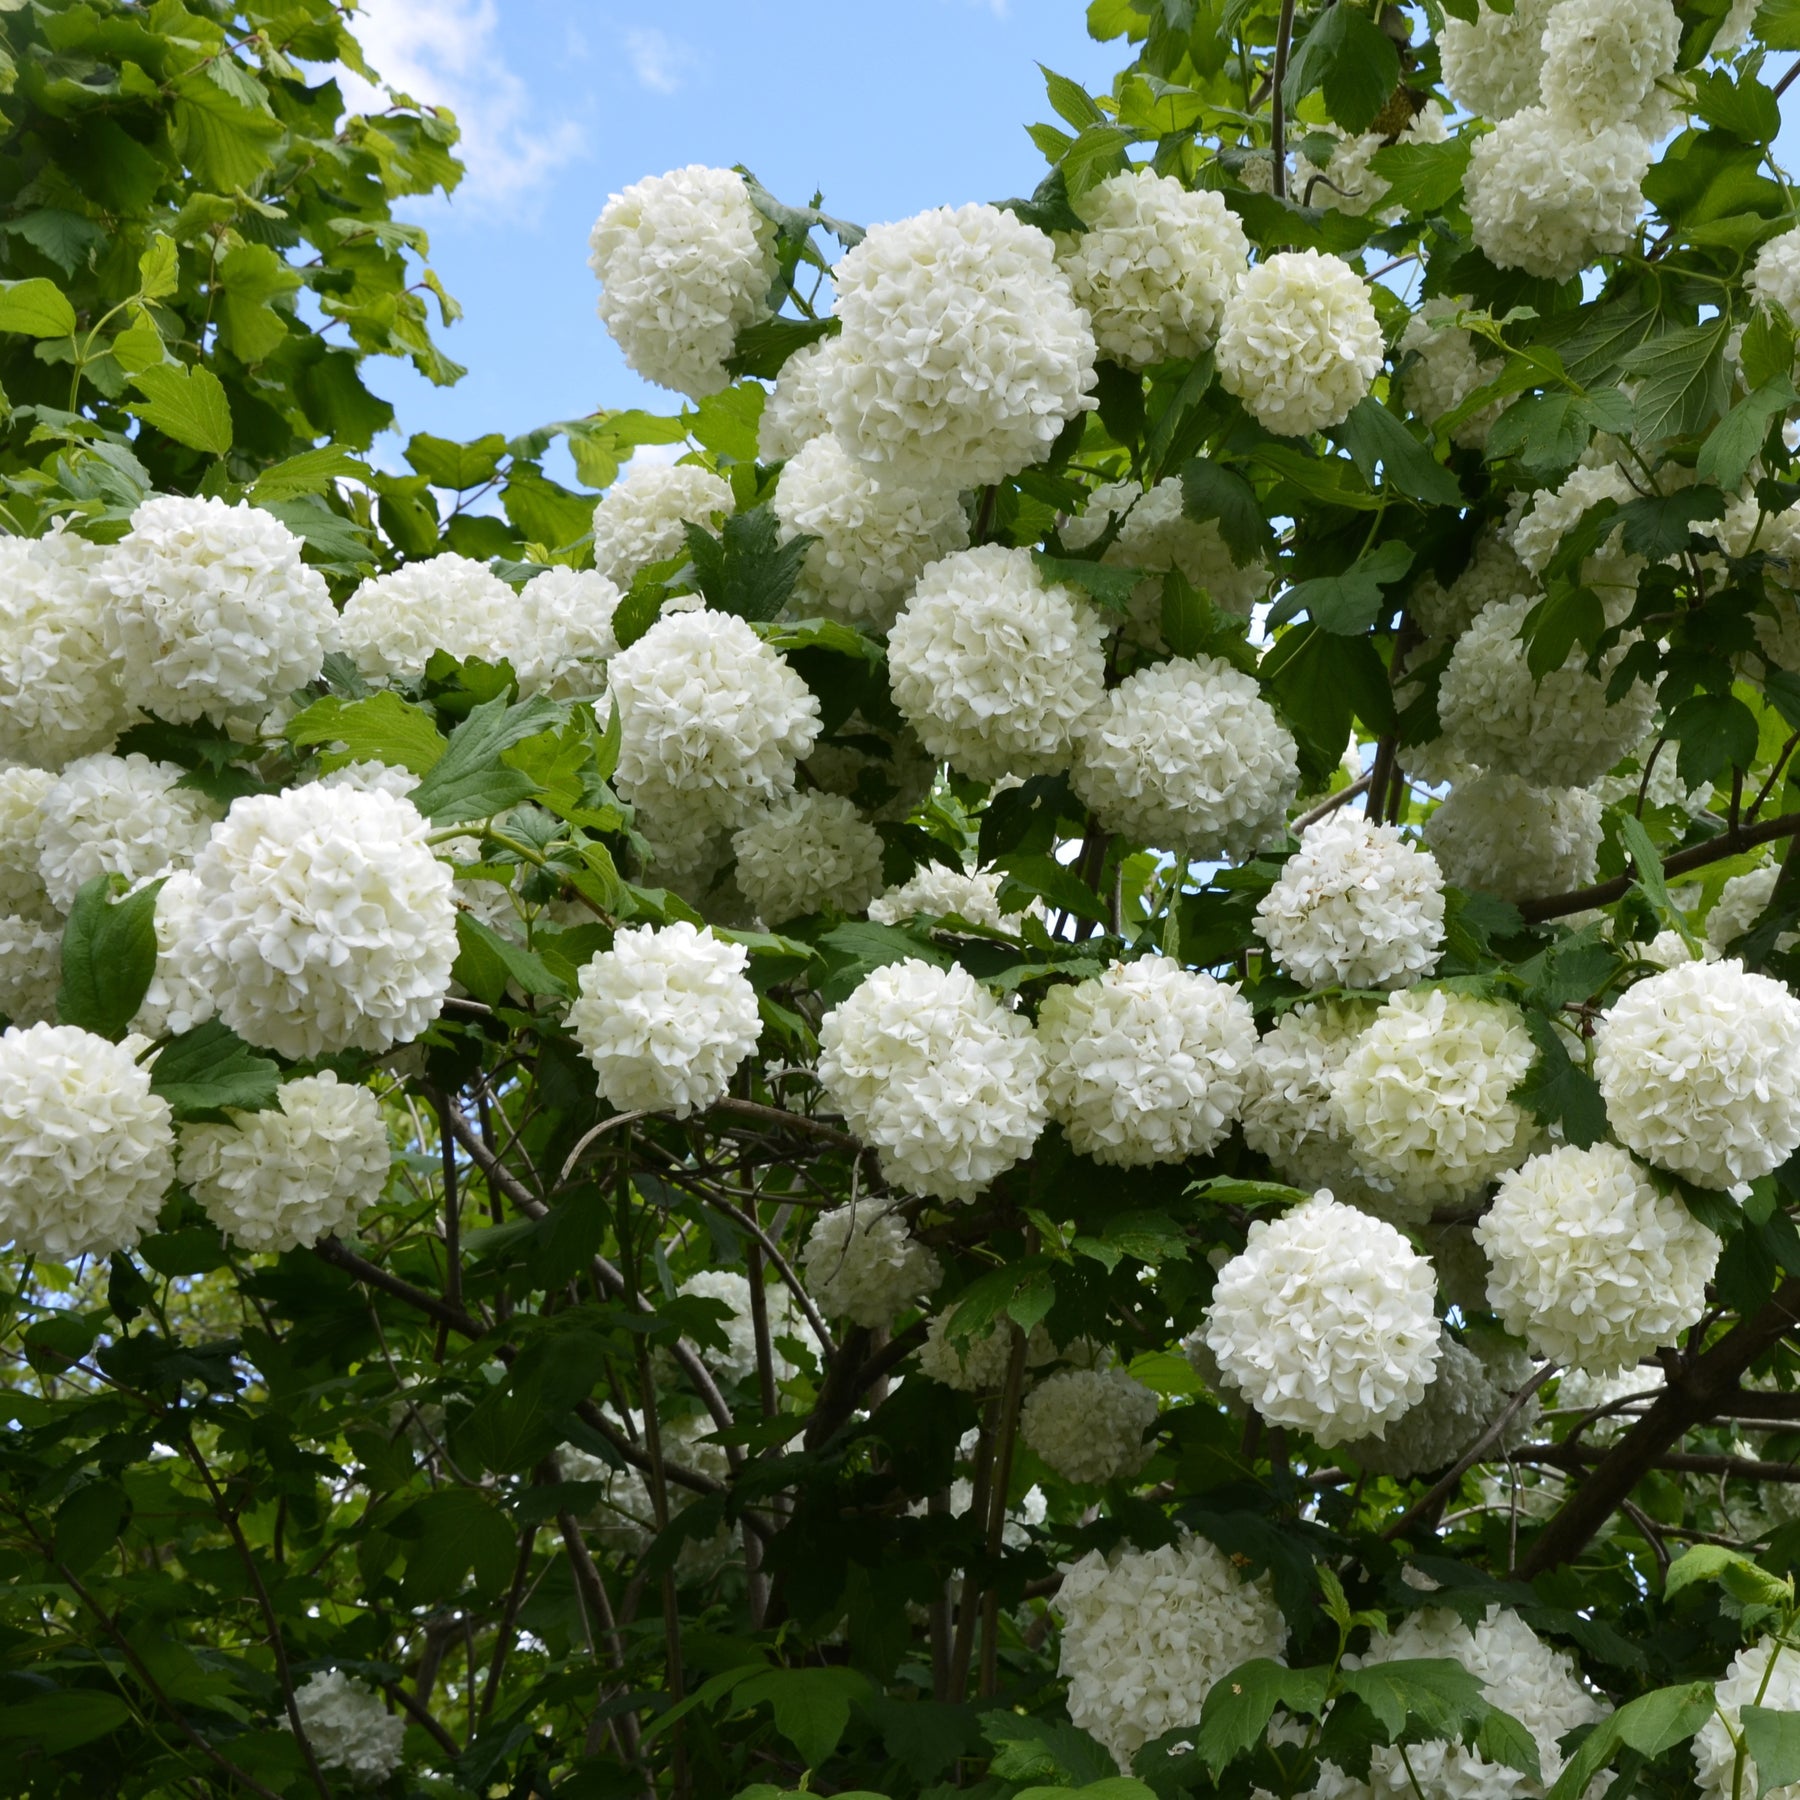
[
  {"x": 1209, "y": 490},
  {"x": 1321, "y": 682},
  {"x": 1655, "y": 526},
  {"x": 1107, "y": 586},
  {"x": 186, "y": 404},
  {"x": 1113, "y": 1787},
  {"x": 1351, "y": 602},
  {"x": 203, "y": 1072},
  {"x": 1433, "y": 1694},
  {"x": 811, "y": 1706},
  {"x": 1767, "y": 352},
  {"x": 457, "y": 1531},
  {"x": 63, "y": 1719},
  {"x": 1239, "y": 1706},
  {"x": 469, "y": 781},
  {"x": 1031, "y": 1748},
  {"x": 486, "y": 962},
  {"x": 747, "y": 569},
  {"x": 383, "y": 728},
  {"x": 1352, "y": 60},
  {"x": 1680, "y": 381},
  {"x": 1772, "y": 1737},
  {"x": 88, "y": 1524},
  {"x": 1558, "y": 1092},
  {"x": 1648, "y": 869},
  {"x": 1549, "y": 432},
  {"x": 159, "y": 269},
  {"x": 248, "y": 278},
  {"x": 1651, "y": 1724},
  {"x": 1070, "y": 100},
  {"x": 108, "y": 958},
  {"x": 1422, "y": 178},
  {"x": 1717, "y": 732},
  {"x": 1737, "y": 440},
  {"x": 36, "y": 308},
  {"x": 1778, "y": 24},
  {"x": 1373, "y": 436},
  {"x": 1742, "y": 1576},
  {"x": 762, "y": 349},
  {"x": 228, "y": 144},
  {"x": 309, "y": 472},
  {"x": 447, "y": 464}
]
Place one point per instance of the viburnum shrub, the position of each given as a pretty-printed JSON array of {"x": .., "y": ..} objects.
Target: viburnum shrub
[{"x": 1055, "y": 1049}]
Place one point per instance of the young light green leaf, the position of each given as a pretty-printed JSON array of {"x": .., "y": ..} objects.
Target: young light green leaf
[
  {"x": 35, "y": 308},
  {"x": 187, "y": 404}
]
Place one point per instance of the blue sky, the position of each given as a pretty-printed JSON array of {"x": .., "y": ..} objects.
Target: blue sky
[{"x": 889, "y": 107}]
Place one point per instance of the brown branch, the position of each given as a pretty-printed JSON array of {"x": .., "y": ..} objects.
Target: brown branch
[
  {"x": 340, "y": 1255},
  {"x": 773, "y": 1115},
  {"x": 1676, "y": 1462},
  {"x": 423, "y": 1716},
  {"x": 1331, "y": 803},
  {"x": 595, "y": 1602},
  {"x": 1284, "y": 36},
  {"x": 1691, "y": 1399}
]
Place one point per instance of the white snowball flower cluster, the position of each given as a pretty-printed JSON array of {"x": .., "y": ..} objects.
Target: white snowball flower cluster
[
  {"x": 737, "y": 1362},
  {"x": 1553, "y": 513},
  {"x": 685, "y": 262},
  {"x": 116, "y": 815},
  {"x": 1603, "y": 59},
  {"x": 1147, "y": 1063},
  {"x": 1325, "y": 1321},
  {"x": 1749, "y": 1681},
  {"x": 1741, "y": 902},
  {"x": 1451, "y": 364},
  {"x": 176, "y": 999},
  {"x": 30, "y": 969},
  {"x": 937, "y": 892},
  {"x": 1775, "y": 275},
  {"x": 1700, "y": 1071},
  {"x": 349, "y": 1728},
  {"x": 86, "y": 1150},
  {"x": 1355, "y": 906},
  {"x": 300, "y": 1170},
  {"x": 1548, "y": 199},
  {"x": 963, "y": 352},
  {"x": 1520, "y": 1674},
  {"x": 639, "y": 519},
  {"x": 1493, "y": 573},
  {"x": 326, "y": 923},
  {"x": 876, "y": 536},
  {"x": 213, "y": 614},
  {"x": 1288, "y": 1115},
  {"x": 805, "y": 853},
  {"x": 59, "y": 685},
  {"x": 393, "y": 622},
  {"x": 937, "y": 1074},
  {"x": 560, "y": 633},
  {"x": 1425, "y": 1095},
  {"x": 1494, "y": 834},
  {"x": 862, "y": 1264},
  {"x": 1349, "y": 184},
  {"x": 624, "y": 1517},
  {"x": 665, "y": 1017},
  {"x": 1300, "y": 344},
  {"x": 1492, "y": 67},
  {"x": 1591, "y": 1263},
  {"x": 22, "y": 792},
  {"x": 1463, "y": 1400},
  {"x": 1154, "y": 267},
  {"x": 994, "y": 667},
  {"x": 977, "y": 1364},
  {"x": 1088, "y": 1425},
  {"x": 794, "y": 413},
  {"x": 883, "y": 768},
  {"x": 1146, "y": 1633},
  {"x": 711, "y": 722},
  {"x": 1188, "y": 756}
]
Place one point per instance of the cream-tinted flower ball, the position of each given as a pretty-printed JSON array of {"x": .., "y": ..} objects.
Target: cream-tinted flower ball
[
  {"x": 30, "y": 969},
  {"x": 300, "y": 1170},
  {"x": 1554, "y": 512},
  {"x": 875, "y": 536},
  {"x": 86, "y": 1150},
  {"x": 1188, "y": 757},
  {"x": 711, "y": 722},
  {"x": 794, "y": 413},
  {"x": 1325, "y": 1321},
  {"x": 665, "y": 1017},
  {"x": 862, "y": 1264},
  {"x": 1355, "y": 906},
  {"x": 1451, "y": 364},
  {"x": 1775, "y": 275},
  {"x": 117, "y": 815},
  {"x": 807, "y": 853},
  {"x": 685, "y": 262},
  {"x": 639, "y": 519},
  {"x": 1425, "y": 1095},
  {"x": 1494, "y": 834},
  {"x": 213, "y": 614},
  {"x": 1750, "y": 1681},
  {"x": 1288, "y": 1116},
  {"x": 977, "y": 1364},
  {"x": 1699, "y": 1067},
  {"x": 349, "y": 1728},
  {"x": 1146, "y": 1633},
  {"x": 1088, "y": 1425},
  {"x": 995, "y": 668},
  {"x": 22, "y": 791},
  {"x": 1493, "y": 573},
  {"x": 936, "y": 892},
  {"x": 1520, "y": 1674},
  {"x": 1741, "y": 902},
  {"x": 1300, "y": 344},
  {"x": 176, "y": 999},
  {"x": 937, "y": 1074},
  {"x": 1603, "y": 59},
  {"x": 963, "y": 352},
  {"x": 393, "y": 622},
  {"x": 559, "y": 635},
  {"x": 326, "y": 923},
  {"x": 1493, "y": 67},
  {"x": 1557, "y": 731},
  {"x": 1462, "y": 1401},
  {"x": 1146, "y": 1063},
  {"x": 1547, "y": 199},
  {"x": 1154, "y": 266},
  {"x": 1590, "y": 1262},
  {"x": 60, "y": 695}
]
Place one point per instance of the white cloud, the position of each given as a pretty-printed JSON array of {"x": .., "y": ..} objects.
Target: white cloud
[
  {"x": 657, "y": 60},
  {"x": 449, "y": 53}
]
